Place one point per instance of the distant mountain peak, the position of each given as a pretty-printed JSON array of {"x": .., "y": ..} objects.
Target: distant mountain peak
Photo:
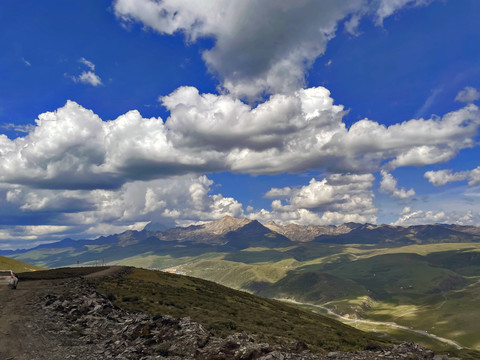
[
  {"x": 225, "y": 225},
  {"x": 155, "y": 227}
]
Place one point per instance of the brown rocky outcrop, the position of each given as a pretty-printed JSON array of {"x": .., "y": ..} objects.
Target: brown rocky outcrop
[{"x": 96, "y": 329}]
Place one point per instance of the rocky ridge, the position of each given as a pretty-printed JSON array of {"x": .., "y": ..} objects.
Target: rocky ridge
[
  {"x": 305, "y": 233},
  {"x": 211, "y": 232},
  {"x": 221, "y": 232},
  {"x": 92, "y": 327}
]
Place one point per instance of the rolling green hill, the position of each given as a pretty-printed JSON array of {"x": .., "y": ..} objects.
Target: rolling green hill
[
  {"x": 224, "y": 311},
  {"x": 311, "y": 287},
  {"x": 16, "y": 265}
]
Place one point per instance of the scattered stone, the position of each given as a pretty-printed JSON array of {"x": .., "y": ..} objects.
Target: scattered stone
[{"x": 97, "y": 329}]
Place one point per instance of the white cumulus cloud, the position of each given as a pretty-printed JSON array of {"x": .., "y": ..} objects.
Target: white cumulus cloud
[
  {"x": 260, "y": 46},
  {"x": 305, "y": 130},
  {"x": 333, "y": 200},
  {"x": 276, "y": 193},
  {"x": 416, "y": 142},
  {"x": 421, "y": 217},
  {"x": 468, "y": 95},
  {"x": 88, "y": 77},
  {"x": 176, "y": 201},
  {"x": 388, "y": 185},
  {"x": 388, "y": 7},
  {"x": 442, "y": 177},
  {"x": 87, "y": 63}
]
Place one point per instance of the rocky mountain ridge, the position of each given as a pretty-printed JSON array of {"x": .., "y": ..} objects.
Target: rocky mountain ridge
[
  {"x": 305, "y": 233},
  {"x": 229, "y": 235},
  {"x": 243, "y": 232},
  {"x": 213, "y": 232}
]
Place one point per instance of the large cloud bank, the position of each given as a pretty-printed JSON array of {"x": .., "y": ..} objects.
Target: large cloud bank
[
  {"x": 177, "y": 200},
  {"x": 72, "y": 148}
]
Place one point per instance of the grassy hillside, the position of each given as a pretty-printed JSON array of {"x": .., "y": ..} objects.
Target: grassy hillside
[
  {"x": 433, "y": 287},
  {"x": 311, "y": 287},
  {"x": 224, "y": 311},
  {"x": 391, "y": 276},
  {"x": 16, "y": 265},
  {"x": 60, "y": 273}
]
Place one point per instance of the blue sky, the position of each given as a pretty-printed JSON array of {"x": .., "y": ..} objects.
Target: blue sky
[{"x": 114, "y": 114}]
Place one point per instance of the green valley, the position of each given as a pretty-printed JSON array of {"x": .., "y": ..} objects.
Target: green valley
[{"x": 389, "y": 285}]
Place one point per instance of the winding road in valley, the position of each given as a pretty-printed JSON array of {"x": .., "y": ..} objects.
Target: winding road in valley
[{"x": 349, "y": 321}]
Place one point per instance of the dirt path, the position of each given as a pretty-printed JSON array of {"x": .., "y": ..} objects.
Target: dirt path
[
  {"x": 23, "y": 324},
  {"x": 21, "y": 336},
  {"x": 349, "y": 321},
  {"x": 111, "y": 271}
]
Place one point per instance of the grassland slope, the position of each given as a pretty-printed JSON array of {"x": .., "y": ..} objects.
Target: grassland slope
[
  {"x": 225, "y": 311},
  {"x": 16, "y": 265}
]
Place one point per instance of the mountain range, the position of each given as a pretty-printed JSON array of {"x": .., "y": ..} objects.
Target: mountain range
[{"x": 229, "y": 232}]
